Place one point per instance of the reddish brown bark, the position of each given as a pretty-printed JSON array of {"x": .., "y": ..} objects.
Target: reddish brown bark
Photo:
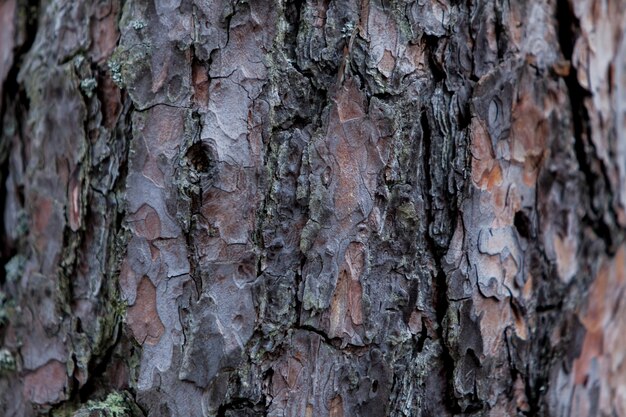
[{"x": 313, "y": 208}]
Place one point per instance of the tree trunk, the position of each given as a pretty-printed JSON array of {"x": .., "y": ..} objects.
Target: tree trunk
[{"x": 313, "y": 208}]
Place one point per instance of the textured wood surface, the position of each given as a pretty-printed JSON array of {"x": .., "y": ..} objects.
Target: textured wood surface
[{"x": 313, "y": 208}]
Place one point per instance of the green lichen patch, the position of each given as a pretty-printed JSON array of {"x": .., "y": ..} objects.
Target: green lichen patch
[
  {"x": 116, "y": 404},
  {"x": 15, "y": 268},
  {"x": 128, "y": 64},
  {"x": 7, "y": 361},
  {"x": 88, "y": 85},
  {"x": 5, "y": 308},
  {"x": 138, "y": 24},
  {"x": 116, "y": 71}
]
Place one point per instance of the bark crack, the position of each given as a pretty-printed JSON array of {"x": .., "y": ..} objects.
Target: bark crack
[{"x": 600, "y": 215}]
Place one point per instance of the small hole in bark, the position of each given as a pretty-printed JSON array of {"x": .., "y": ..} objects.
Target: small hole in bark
[
  {"x": 375, "y": 386},
  {"x": 522, "y": 224},
  {"x": 199, "y": 155}
]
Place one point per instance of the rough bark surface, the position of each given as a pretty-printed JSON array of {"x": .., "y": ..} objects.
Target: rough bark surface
[{"x": 313, "y": 208}]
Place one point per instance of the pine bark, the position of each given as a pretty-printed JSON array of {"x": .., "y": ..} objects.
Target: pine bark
[{"x": 313, "y": 208}]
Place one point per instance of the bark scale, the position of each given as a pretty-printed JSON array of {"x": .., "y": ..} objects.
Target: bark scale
[{"x": 313, "y": 208}]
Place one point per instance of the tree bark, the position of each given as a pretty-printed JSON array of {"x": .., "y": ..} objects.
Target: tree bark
[{"x": 313, "y": 208}]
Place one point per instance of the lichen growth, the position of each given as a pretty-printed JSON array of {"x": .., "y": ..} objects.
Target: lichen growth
[
  {"x": 348, "y": 30},
  {"x": 88, "y": 86},
  {"x": 130, "y": 66},
  {"x": 15, "y": 268},
  {"x": 138, "y": 24},
  {"x": 7, "y": 361},
  {"x": 116, "y": 71},
  {"x": 407, "y": 215},
  {"x": 21, "y": 228},
  {"x": 116, "y": 404},
  {"x": 78, "y": 61},
  {"x": 308, "y": 235},
  {"x": 4, "y": 309}
]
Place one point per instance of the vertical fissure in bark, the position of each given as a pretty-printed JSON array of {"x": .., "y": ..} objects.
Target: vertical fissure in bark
[
  {"x": 14, "y": 101},
  {"x": 600, "y": 209},
  {"x": 439, "y": 284},
  {"x": 97, "y": 371},
  {"x": 499, "y": 30},
  {"x": 293, "y": 12},
  {"x": 7, "y": 249},
  {"x": 432, "y": 46},
  {"x": 100, "y": 361},
  {"x": 297, "y": 300},
  {"x": 202, "y": 168},
  {"x": 306, "y": 165},
  {"x": 29, "y": 11}
]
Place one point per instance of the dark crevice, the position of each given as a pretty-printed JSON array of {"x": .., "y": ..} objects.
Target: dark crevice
[
  {"x": 293, "y": 10},
  {"x": 298, "y": 283},
  {"x": 432, "y": 44},
  {"x": 441, "y": 308},
  {"x": 548, "y": 308},
  {"x": 15, "y": 97},
  {"x": 594, "y": 170},
  {"x": 99, "y": 363},
  {"x": 11, "y": 87},
  {"x": 201, "y": 162},
  {"x": 336, "y": 342},
  {"x": 384, "y": 96},
  {"x": 511, "y": 351},
  {"x": 426, "y": 142},
  {"x": 241, "y": 407},
  {"x": 539, "y": 372},
  {"x": 423, "y": 335},
  {"x": 499, "y": 31},
  {"x": 410, "y": 306},
  {"x": 439, "y": 283},
  {"x": 568, "y": 26},
  {"x": 465, "y": 113},
  {"x": 124, "y": 129},
  {"x": 98, "y": 366},
  {"x": 7, "y": 250},
  {"x": 523, "y": 225}
]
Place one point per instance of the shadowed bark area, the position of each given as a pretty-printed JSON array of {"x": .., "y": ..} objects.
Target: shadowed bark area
[{"x": 313, "y": 208}]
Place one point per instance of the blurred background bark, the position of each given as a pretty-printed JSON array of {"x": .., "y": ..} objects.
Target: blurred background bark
[{"x": 313, "y": 208}]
